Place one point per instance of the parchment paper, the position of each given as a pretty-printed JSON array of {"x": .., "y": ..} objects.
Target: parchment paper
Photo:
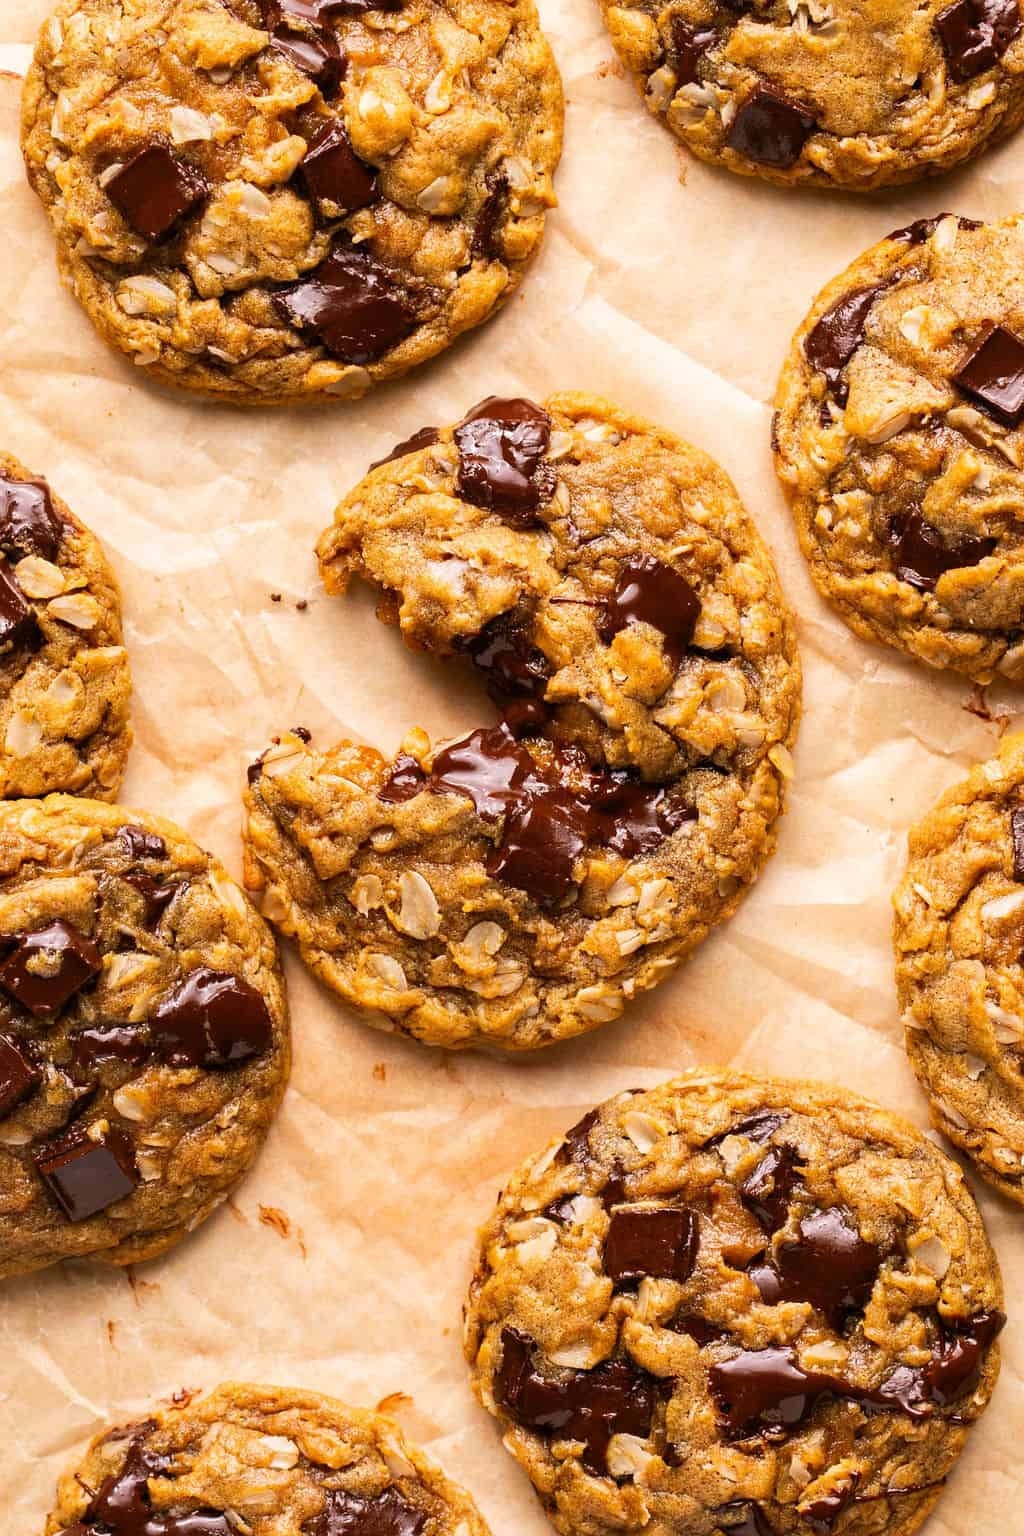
[{"x": 342, "y": 1263}]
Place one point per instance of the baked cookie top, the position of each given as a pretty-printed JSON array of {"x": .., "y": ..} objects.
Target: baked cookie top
[
  {"x": 735, "y": 1305},
  {"x": 281, "y": 200},
  {"x": 518, "y": 886},
  {"x": 267, "y": 1461},
  {"x": 144, "y": 1041},
  {"x": 899, "y": 441},
  {"x": 826, "y": 92},
  {"x": 65, "y": 684},
  {"x": 959, "y": 936}
]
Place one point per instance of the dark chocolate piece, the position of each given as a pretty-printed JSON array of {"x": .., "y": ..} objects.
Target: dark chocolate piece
[
  {"x": 48, "y": 967},
  {"x": 405, "y": 780},
  {"x": 424, "y": 438},
  {"x": 156, "y": 894},
  {"x": 546, "y": 830},
  {"x": 770, "y": 129},
  {"x": 831, "y": 343},
  {"x": 698, "y": 1328},
  {"x": 485, "y": 228},
  {"x": 140, "y": 844},
  {"x": 86, "y": 1176},
  {"x": 920, "y": 555},
  {"x": 122, "y": 1505},
  {"x": 758, "y": 1127},
  {"x": 768, "y": 1188},
  {"x": 1017, "y": 835},
  {"x": 639, "y": 817},
  {"x": 575, "y": 1146},
  {"x": 299, "y": 30},
  {"x": 352, "y": 304},
  {"x": 752, "y": 1521},
  {"x": 502, "y": 466},
  {"x": 155, "y": 189},
  {"x": 560, "y": 1210},
  {"x": 334, "y": 176},
  {"x": 18, "y": 626},
  {"x": 109, "y": 1042},
  {"x": 489, "y": 766},
  {"x": 976, "y": 33},
  {"x": 822, "y": 1513},
  {"x": 648, "y": 592},
  {"x": 504, "y": 651},
  {"x": 993, "y": 375},
  {"x": 689, "y": 45},
  {"x": 354, "y": 1514},
  {"x": 830, "y": 1265},
  {"x": 957, "y": 1361},
  {"x": 765, "y": 1389},
  {"x": 651, "y": 1240},
  {"x": 357, "y": 7},
  {"x": 18, "y": 1076},
  {"x": 28, "y": 523},
  {"x": 920, "y": 231},
  {"x": 212, "y": 1019}
]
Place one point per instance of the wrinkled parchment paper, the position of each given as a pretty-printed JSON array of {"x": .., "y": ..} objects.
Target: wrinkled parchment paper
[{"x": 341, "y": 1263}]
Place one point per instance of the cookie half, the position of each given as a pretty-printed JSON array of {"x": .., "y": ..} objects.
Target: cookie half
[
  {"x": 899, "y": 441},
  {"x": 738, "y": 1305},
  {"x": 144, "y": 1043},
  {"x": 65, "y": 683},
  {"x": 267, "y": 1461},
  {"x": 824, "y": 92},
  {"x": 283, "y": 200},
  {"x": 520, "y": 885}
]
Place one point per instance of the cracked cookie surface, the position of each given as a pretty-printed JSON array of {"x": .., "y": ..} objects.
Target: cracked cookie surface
[
  {"x": 899, "y": 441},
  {"x": 283, "y": 200},
  {"x": 144, "y": 1042},
  {"x": 267, "y": 1461},
  {"x": 736, "y": 1305},
  {"x": 959, "y": 937},
  {"x": 828, "y": 93},
  {"x": 519, "y": 886},
  {"x": 65, "y": 682}
]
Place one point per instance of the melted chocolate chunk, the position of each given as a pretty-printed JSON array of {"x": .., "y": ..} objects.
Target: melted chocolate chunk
[
  {"x": 575, "y": 1146},
  {"x": 640, "y": 816},
  {"x": 698, "y": 1328},
  {"x": 830, "y": 1265},
  {"x": 993, "y": 376},
  {"x": 920, "y": 556},
  {"x": 357, "y": 7},
  {"x": 765, "y": 1389},
  {"x": 155, "y": 189},
  {"x": 426, "y": 437},
  {"x": 615, "y": 1398},
  {"x": 757, "y": 1127},
  {"x": 976, "y": 33},
  {"x": 957, "y": 1361},
  {"x": 122, "y": 1505},
  {"x": 821, "y": 1514},
  {"x": 18, "y": 1076},
  {"x": 560, "y": 1210},
  {"x": 140, "y": 844},
  {"x": 920, "y": 231},
  {"x": 485, "y": 229},
  {"x": 502, "y": 444},
  {"x": 770, "y": 129},
  {"x": 752, "y": 1520},
  {"x": 768, "y": 1189},
  {"x": 334, "y": 176},
  {"x": 405, "y": 780},
  {"x": 48, "y": 967},
  {"x": 1017, "y": 835},
  {"x": 86, "y": 1176},
  {"x": 28, "y": 523},
  {"x": 489, "y": 766},
  {"x": 829, "y": 346},
  {"x": 298, "y": 30},
  {"x": 18, "y": 626},
  {"x": 689, "y": 45},
  {"x": 504, "y": 651},
  {"x": 351, "y": 304},
  {"x": 108, "y": 1042},
  {"x": 546, "y": 830},
  {"x": 212, "y": 1019},
  {"x": 658, "y": 1241},
  {"x": 156, "y": 894},
  {"x": 648, "y": 592},
  {"x": 353, "y": 1514}
]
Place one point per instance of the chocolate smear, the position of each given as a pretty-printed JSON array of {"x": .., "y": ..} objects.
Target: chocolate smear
[
  {"x": 109, "y": 1042},
  {"x": 155, "y": 189},
  {"x": 770, "y": 129},
  {"x": 651, "y": 1240},
  {"x": 212, "y": 1019},
  {"x": 350, "y": 303},
  {"x": 48, "y": 967},
  {"x": 85, "y": 1176},
  {"x": 502, "y": 467},
  {"x": 157, "y": 895},
  {"x": 993, "y": 375},
  {"x": 752, "y": 1521},
  {"x": 648, "y": 592},
  {"x": 426, "y": 437}
]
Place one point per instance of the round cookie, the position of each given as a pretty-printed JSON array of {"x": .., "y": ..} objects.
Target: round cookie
[
  {"x": 65, "y": 684},
  {"x": 144, "y": 1043},
  {"x": 827, "y": 93},
  {"x": 266, "y": 1461},
  {"x": 520, "y": 885},
  {"x": 733, "y": 1305},
  {"x": 270, "y": 201},
  {"x": 959, "y": 937},
  {"x": 898, "y": 439}
]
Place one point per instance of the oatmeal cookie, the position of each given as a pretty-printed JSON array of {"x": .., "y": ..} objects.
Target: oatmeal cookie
[
  {"x": 827, "y": 93},
  {"x": 518, "y": 886},
  {"x": 959, "y": 936},
  {"x": 144, "y": 1042},
  {"x": 65, "y": 684},
  {"x": 733, "y": 1305},
  {"x": 280, "y": 200},
  {"x": 899, "y": 441},
  {"x": 266, "y": 1461}
]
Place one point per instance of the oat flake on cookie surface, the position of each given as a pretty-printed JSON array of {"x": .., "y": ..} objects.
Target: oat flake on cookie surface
[
  {"x": 522, "y": 884},
  {"x": 284, "y": 200},
  {"x": 736, "y": 1307}
]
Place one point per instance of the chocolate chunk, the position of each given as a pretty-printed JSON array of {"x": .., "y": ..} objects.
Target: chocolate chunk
[
  {"x": 957, "y": 1361},
  {"x": 140, "y": 844},
  {"x": 405, "y": 780},
  {"x": 921, "y": 556},
  {"x": 485, "y": 227},
  {"x": 560, "y": 1210},
  {"x": 829, "y": 346},
  {"x": 18, "y": 1076},
  {"x": 354, "y": 1514},
  {"x": 752, "y": 1520},
  {"x": 639, "y": 817},
  {"x": 357, "y": 7},
  {"x": 86, "y": 1176},
  {"x": 830, "y": 1265},
  {"x": 822, "y": 1513},
  {"x": 546, "y": 830},
  {"x": 648, "y": 592},
  {"x": 918, "y": 232},
  {"x": 765, "y": 1389},
  {"x": 575, "y": 1146},
  {"x": 757, "y": 1127},
  {"x": 770, "y": 129},
  {"x": 109, "y": 1042},
  {"x": 614, "y": 1191},
  {"x": 502, "y": 444},
  {"x": 48, "y": 967},
  {"x": 122, "y": 1505},
  {"x": 1017, "y": 834},
  {"x": 768, "y": 1189},
  {"x": 993, "y": 375},
  {"x": 489, "y": 766},
  {"x": 698, "y": 1328},
  {"x": 18, "y": 626},
  {"x": 351, "y": 304},
  {"x": 299, "y": 30},
  {"x": 504, "y": 651},
  {"x": 155, "y": 189},
  {"x": 976, "y": 33},
  {"x": 334, "y": 176},
  {"x": 424, "y": 438},
  {"x": 156, "y": 894},
  {"x": 28, "y": 523},
  {"x": 689, "y": 45},
  {"x": 591, "y": 1406},
  {"x": 649, "y": 1240},
  {"x": 212, "y": 1019}
]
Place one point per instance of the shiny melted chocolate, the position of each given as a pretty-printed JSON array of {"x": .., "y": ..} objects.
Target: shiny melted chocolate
[{"x": 122, "y": 1506}]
